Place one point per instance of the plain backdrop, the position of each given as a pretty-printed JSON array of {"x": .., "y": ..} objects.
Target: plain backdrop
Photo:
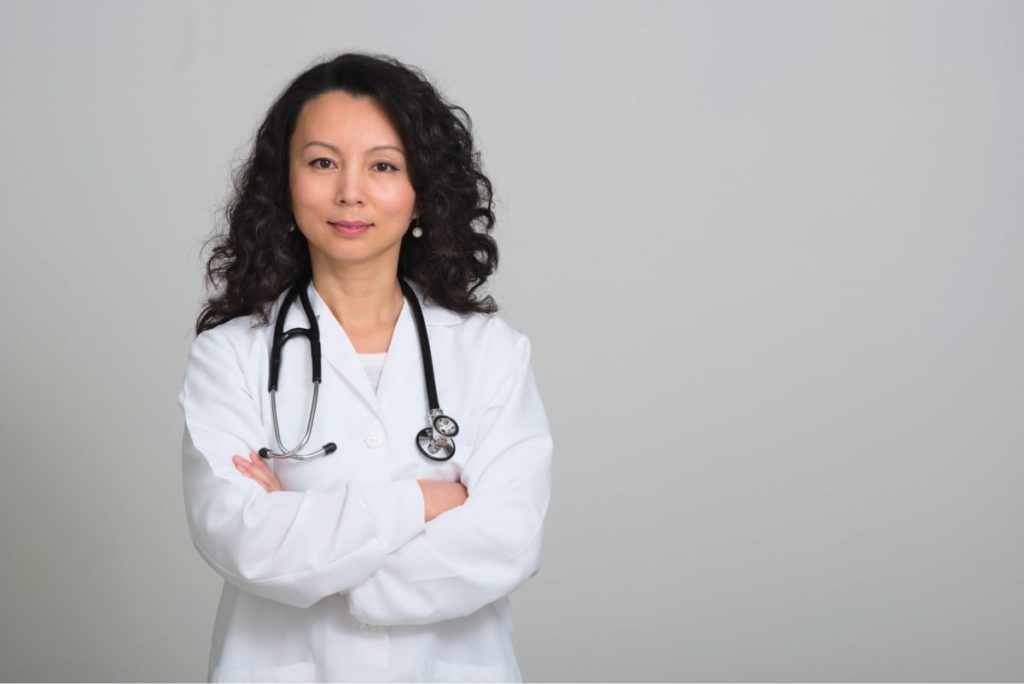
[{"x": 768, "y": 254}]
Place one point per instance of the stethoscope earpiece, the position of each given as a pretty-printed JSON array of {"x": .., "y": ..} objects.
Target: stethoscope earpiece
[{"x": 328, "y": 448}]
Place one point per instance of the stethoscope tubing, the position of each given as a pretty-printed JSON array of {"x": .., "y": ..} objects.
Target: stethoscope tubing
[
  {"x": 312, "y": 334},
  {"x": 421, "y": 330},
  {"x": 434, "y": 442}
]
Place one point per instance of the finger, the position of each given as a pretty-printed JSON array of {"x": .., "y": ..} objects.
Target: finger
[
  {"x": 263, "y": 477},
  {"x": 259, "y": 465},
  {"x": 267, "y": 477},
  {"x": 246, "y": 469}
]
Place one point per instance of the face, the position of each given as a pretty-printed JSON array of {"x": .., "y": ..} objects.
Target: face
[{"x": 351, "y": 194}]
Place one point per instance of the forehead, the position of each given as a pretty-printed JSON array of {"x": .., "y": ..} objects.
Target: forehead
[{"x": 344, "y": 120}]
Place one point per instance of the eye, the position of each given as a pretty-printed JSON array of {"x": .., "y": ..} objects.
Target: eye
[
  {"x": 384, "y": 166},
  {"x": 321, "y": 163}
]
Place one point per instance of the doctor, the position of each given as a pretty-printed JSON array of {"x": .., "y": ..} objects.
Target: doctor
[{"x": 374, "y": 562}]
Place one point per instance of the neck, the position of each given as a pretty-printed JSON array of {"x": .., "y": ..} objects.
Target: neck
[{"x": 366, "y": 302}]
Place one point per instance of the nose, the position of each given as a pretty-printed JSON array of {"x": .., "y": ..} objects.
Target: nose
[{"x": 350, "y": 187}]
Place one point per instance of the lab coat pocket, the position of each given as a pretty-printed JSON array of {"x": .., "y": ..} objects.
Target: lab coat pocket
[
  {"x": 298, "y": 672},
  {"x": 443, "y": 671}
]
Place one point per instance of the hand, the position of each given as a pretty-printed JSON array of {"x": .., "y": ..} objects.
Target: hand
[
  {"x": 256, "y": 469},
  {"x": 439, "y": 497}
]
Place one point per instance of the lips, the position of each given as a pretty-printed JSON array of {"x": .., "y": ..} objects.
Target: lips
[{"x": 350, "y": 228}]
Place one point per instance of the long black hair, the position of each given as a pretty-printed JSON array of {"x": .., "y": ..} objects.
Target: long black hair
[{"x": 258, "y": 257}]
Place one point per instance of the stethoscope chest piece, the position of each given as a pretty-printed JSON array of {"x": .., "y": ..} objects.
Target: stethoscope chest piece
[
  {"x": 435, "y": 447},
  {"x": 435, "y": 441},
  {"x": 444, "y": 425}
]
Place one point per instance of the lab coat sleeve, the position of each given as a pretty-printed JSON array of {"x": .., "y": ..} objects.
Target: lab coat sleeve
[
  {"x": 291, "y": 547},
  {"x": 476, "y": 553}
]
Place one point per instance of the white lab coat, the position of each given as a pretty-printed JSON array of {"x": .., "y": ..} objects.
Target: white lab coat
[{"x": 338, "y": 578}]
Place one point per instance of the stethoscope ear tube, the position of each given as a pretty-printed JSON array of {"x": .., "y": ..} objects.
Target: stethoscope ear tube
[{"x": 325, "y": 450}]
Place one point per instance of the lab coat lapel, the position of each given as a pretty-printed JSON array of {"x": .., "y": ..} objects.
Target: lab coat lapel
[
  {"x": 402, "y": 373},
  {"x": 403, "y": 378},
  {"x": 337, "y": 350}
]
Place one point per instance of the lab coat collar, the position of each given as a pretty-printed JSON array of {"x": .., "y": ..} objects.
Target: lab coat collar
[
  {"x": 433, "y": 314},
  {"x": 403, "y": 364}
]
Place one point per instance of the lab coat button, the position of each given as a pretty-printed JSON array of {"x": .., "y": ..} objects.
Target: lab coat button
[{"x": 374, "y": 440}]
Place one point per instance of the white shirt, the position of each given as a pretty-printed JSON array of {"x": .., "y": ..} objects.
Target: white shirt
[
  {"x": 338, "y": 578},
  {"x": 373, "y": 364}
]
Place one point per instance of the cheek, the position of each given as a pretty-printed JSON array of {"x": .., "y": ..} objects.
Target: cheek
[
  {"x": 400, "y": 200},
  {"x": 307, "y": 194}
]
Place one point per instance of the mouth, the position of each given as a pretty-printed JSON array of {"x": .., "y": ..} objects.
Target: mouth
[{"x": 350, "y": 228}]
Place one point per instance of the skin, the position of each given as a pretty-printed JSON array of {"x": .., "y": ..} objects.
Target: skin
[{"x": 347, "y": 163}]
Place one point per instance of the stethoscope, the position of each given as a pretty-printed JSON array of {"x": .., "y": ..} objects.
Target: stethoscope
[{"x": 434, "y": 441}]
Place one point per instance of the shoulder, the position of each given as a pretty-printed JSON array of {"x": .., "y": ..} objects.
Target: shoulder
[
  {"x": 481, "y": 347},
  {"x": 228, "y": 353},
  {"x": 242, "y": 334},
  {"x": 490, "y": 329},
  {"x": 495, "y": 332},
  {"x": 237, "y": 334}
]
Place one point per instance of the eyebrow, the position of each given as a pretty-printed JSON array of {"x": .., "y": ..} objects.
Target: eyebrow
[{"x": 375, "y": 148}]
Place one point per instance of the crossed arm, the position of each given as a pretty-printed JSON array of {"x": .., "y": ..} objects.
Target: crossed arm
[
  {"x": 438, "y": 497},
  {"x": 488, "y": 540},
  {"x": 404, "y": 552}
]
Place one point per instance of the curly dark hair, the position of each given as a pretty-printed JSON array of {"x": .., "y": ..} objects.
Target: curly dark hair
[{"x": 257, "y": 257}]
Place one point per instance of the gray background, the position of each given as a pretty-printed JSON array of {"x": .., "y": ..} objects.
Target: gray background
[{"x": 768, "y": 254}]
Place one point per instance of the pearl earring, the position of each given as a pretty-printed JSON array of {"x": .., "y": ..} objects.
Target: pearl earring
[{"x": 416, "y": 231}]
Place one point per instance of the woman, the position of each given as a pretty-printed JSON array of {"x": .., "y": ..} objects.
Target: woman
[{"x": 378, "y": 561}]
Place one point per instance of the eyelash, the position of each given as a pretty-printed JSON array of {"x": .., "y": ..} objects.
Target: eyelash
[{"x": 316, "y": 164}]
